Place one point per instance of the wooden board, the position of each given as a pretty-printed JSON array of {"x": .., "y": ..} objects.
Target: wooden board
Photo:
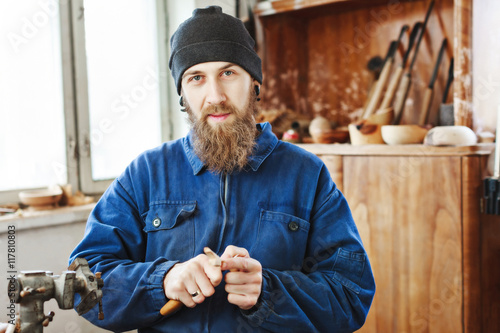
[
  {"x": 490, "y": 274},
  {"x": 408, "y": 211},
  {"x": 335, "y": 167},
  {"x": 472, "y": 244},
  {"x": 398, "y": 150},
  {"x": 462, "y": 95},
  {"x": 481, "y": 252}
]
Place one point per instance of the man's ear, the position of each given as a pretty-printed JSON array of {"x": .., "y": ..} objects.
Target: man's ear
[
  {"x": 256, "y": 87},
  {"x": 181, "y": 103},
  {"x": 257, "y": 90}
]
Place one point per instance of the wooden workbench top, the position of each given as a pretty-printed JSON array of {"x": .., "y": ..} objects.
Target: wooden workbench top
[{"x": 398, "y": 150}]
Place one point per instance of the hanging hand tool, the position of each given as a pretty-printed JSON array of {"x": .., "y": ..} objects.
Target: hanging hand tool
[
  {"x": 396, "y": 77},
  {"x": 449, "y": 81},
  {"x": 384, "y": 75},
  {"x": 374, "y": 65},
  {"x": 404, "y": 87},
  {"x": 374, "y": 96},
  {"x": 446, "y": 117},
  {"x": 429, "y": 92}
]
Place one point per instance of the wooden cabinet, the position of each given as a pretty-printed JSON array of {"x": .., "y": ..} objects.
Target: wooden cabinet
[{"x": 434, "y": 255}]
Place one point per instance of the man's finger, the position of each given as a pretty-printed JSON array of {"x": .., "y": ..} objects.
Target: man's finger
[
  {"x": 240, "y": 277},
  {"x": 240, "y": 264},
  {"x": 232, "y": 251},
  {"x": 242, "y": 289},
  {"x": 213, "y": 273},
  {"x": 242, "y": 301},
  {"x": 205, "y": 286}
]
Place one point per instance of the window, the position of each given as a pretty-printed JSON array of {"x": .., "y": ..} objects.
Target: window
[
  {"x": 32, "y": 149},
  {"x": 124, "y": 106},
  {"x": 116, "y": 49},
  {"x": 80, "y": 90}
]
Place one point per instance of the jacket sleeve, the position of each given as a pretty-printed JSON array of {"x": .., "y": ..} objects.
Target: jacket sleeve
[
  {"x": 114, "y": 244},
  {"x": 333, "y": 290}
]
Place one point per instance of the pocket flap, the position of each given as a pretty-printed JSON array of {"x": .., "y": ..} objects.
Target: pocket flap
[
  {"x": 168, "y": 215},
  {"x": 294, "y": 223}
]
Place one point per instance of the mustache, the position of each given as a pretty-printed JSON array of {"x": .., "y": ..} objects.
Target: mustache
[{"x": 216, "y": 109}]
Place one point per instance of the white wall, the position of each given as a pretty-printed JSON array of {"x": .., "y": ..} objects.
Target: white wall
[{"x": 486, "y": 64}]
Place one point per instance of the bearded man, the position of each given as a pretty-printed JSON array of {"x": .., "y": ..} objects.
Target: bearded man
[{"x": 292, "y": 258}]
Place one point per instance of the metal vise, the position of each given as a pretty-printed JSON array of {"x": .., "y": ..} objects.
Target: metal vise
[{"x": 32, "y": 288}]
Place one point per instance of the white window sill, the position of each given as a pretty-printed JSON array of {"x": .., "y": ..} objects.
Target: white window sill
[{"x": 29, "y": 219}]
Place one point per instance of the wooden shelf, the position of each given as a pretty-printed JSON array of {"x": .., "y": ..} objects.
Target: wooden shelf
[
  {"x": 273, "y": 7},
  {"x": 316, "y": 52},
  {"x": 398, "y": 150}
]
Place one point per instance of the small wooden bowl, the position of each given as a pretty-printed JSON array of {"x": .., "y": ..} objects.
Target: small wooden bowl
[
  {"x": 403, "y": 134},
  {"x": 364, "y": 134},
  {"x": 43, "y": 197},
  {"x": 333, "y": 136}
]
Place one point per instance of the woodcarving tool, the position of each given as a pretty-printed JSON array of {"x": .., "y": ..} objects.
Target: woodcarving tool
[
  {"x": 375, "y": 86},
  {"x": 404, "y": 87},
  {"x": 384, "y": 75},
  {"x": 174, "y": 305},
  {"x": 396, "y": 77},
  {"x": 374, "y": 65},
  {"x": 429, "y": 92},
  {"x": 446, "y": 110},
  {"x": 449, "y": 81}
]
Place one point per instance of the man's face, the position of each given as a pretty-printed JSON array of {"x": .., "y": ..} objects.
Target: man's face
[
  {"x": 221, "y": 105},
  {"x": 208, "y": 85}
]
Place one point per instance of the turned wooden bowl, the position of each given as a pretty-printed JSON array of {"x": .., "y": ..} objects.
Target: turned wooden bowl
[{"x": 403, "y": 134}]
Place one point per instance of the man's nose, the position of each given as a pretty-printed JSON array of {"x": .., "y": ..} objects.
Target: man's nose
[{"x": 215, "y": 93}]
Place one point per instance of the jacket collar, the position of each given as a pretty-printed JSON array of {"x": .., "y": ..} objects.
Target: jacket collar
[{"x": 266, "y": 142}]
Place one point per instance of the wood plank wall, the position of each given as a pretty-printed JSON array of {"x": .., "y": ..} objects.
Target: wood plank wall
[{"x": 315, "y": 60}]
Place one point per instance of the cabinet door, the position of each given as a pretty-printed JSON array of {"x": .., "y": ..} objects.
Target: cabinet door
[{"x": 407, "y": 209}]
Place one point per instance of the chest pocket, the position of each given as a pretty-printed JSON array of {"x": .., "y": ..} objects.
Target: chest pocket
[
  {"x": 281, "y": 241},
  {"x": 170, "y": 229}
]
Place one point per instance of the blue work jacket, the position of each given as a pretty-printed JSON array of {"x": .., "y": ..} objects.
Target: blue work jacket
[{"x": 283, "y": 208}]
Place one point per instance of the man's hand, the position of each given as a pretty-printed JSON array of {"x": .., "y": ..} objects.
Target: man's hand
[
  {"x": 244, "y": 279},
  {"x": 195, "y": 276}
]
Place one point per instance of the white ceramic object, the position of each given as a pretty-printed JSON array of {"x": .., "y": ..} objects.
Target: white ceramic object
[
  {"x": 318, "y": 127},
  {"x": 450, "y": 136}
]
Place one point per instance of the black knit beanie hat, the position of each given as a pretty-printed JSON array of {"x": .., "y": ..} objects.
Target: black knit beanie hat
[{"x": 210, "y": 35}]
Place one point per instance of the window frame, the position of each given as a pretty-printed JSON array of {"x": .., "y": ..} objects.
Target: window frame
[
  {"x": 75, "y": 97},
  {"x": 86, "y": 182}
]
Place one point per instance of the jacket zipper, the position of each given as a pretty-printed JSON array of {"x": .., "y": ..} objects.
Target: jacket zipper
[{"x": 225, "y": 194}]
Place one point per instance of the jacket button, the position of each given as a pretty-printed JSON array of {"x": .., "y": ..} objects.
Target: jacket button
[
  {"x": 156, "y": 222},
  {"x": 293, "y": 226}
]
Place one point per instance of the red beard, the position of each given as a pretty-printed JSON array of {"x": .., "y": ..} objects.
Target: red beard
[{"x": 222, "y": 147}]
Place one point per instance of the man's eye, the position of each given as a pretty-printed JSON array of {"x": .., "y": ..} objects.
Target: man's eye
[
  {"x": 196, "y": 78},
  {"x": 227, "y": 73}
]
